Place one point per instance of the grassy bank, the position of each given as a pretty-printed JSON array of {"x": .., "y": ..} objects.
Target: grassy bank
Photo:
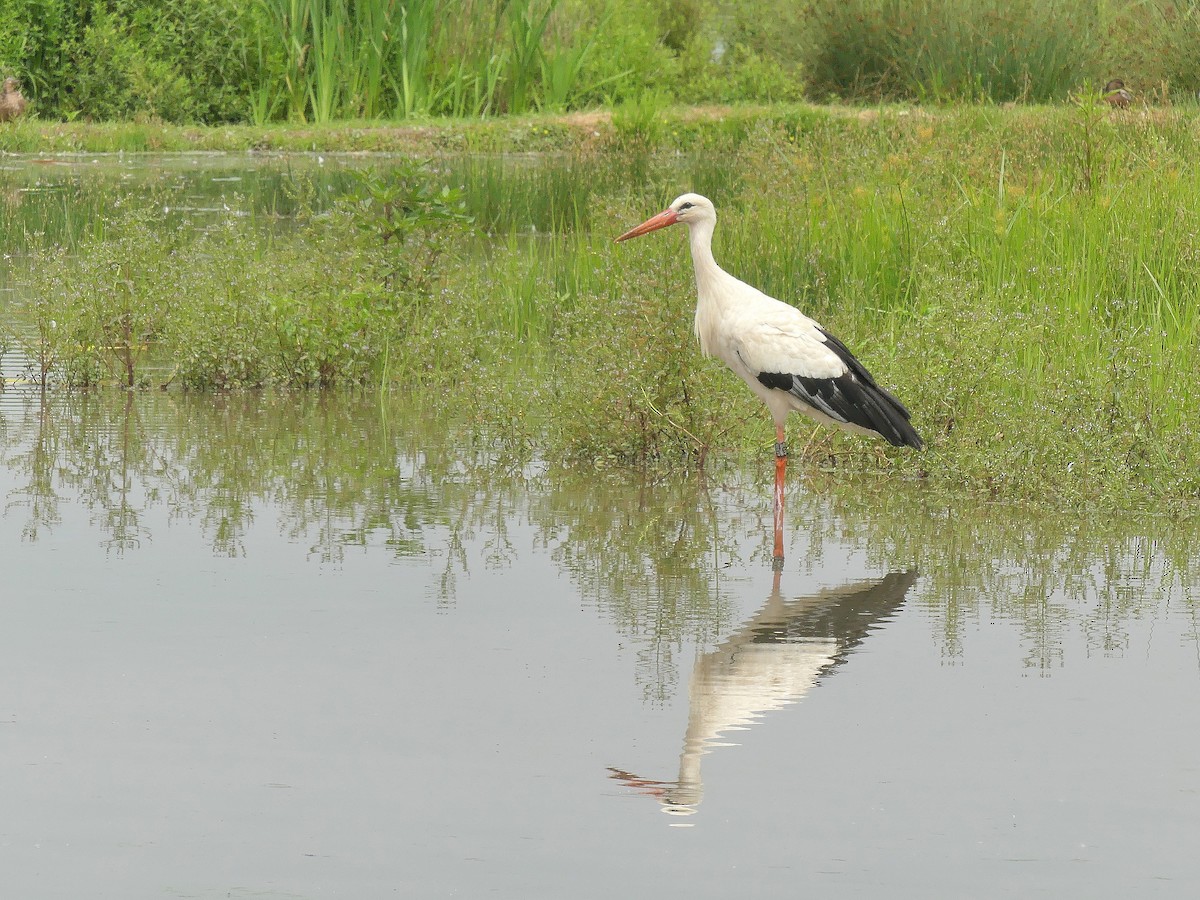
[
  {"x": 1025, "y": 279},
  {"x": 643, "y": 128},
  {"x": 530, "y": 133}
]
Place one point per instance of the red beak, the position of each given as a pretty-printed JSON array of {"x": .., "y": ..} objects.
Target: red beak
[{"x": 662, "y": 220}]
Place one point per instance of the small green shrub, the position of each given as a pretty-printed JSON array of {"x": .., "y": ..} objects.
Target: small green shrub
[
  {"x": 639, "y": 121},
  {"x": 120, "y": 78}
]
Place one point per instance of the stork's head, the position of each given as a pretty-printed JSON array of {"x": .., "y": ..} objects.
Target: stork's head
[{"x": 690, "y": 209}]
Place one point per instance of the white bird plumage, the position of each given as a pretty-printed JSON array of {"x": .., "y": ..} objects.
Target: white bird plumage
[{"x": 787, "y": 359}]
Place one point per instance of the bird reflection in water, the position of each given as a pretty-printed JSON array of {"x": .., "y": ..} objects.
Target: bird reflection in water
[{"x": 773, "y": 660}]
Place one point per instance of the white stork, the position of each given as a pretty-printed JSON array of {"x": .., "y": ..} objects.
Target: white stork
[{"x": 786, "y": 358}]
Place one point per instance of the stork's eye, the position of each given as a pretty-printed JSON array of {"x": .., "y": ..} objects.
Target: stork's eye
[{"x": 685, "y": 206}]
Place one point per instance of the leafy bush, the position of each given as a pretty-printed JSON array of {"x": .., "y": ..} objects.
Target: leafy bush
[
  {"x": 94, "y": 314},
  {"x": 34, "y": 36},
  {"x": 324, "y": 60},
  {"x": 628, "y": 58},
  {"x": 741, "y": 74},
  {"x": 114, "y": 59},
  {"x": 119, "y": 76}
]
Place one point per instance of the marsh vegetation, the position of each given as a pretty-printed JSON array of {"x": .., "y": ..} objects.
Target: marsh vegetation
[
  {"x": 306, "y": 61},
  {"x": 1026, "y": 279}
]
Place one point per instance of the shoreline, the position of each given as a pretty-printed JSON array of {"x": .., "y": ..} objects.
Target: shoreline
[{"x": 671, "y": 128}]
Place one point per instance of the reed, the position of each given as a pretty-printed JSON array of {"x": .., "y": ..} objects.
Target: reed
[
  {"x": 345, "y": 59},
  {"x": 468, "y": 58},
  {"x": 374, "y": 24},
  {"x": 410, "y": 84},
  {"x": 291, "y": 22},
  {"x": 963, "y": 50},
  {"x": 337, "y": 56},
  {"x": 527, "y": 23}
]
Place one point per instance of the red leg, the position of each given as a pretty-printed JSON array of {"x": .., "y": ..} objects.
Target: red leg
[{"x": 780, "y": 478}]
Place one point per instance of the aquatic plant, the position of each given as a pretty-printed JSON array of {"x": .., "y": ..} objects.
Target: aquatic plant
[{"x": 408, "y": 214}]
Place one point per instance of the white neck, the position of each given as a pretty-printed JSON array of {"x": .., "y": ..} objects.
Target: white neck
[
  {"x": 706, "y": 267},
  {"x": 708, "y": 287}
]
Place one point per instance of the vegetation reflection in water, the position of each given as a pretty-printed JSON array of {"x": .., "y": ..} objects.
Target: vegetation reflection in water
[{"x": 662, "y": 558}]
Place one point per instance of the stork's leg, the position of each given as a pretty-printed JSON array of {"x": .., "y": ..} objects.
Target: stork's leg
[{"x": 780, "y": 476}]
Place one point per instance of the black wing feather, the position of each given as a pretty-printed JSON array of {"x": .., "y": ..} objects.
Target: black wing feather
[{"x": 853, "y": 397}]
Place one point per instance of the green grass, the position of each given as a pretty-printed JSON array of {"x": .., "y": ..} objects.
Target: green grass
[
  {"x": 1024, "y": 279},
  {"x": 943, "y": 50}
]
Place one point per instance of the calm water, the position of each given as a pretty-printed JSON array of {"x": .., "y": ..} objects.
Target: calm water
[{"x": 314, "y": 646}]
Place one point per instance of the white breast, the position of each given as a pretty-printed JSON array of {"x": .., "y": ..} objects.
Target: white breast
[{"x": 753, "y": 333}]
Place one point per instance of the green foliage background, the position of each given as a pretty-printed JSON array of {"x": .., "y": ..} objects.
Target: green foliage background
[{"x": 215, "y": 61}]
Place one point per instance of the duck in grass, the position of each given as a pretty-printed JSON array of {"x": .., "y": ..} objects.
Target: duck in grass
[
  {"x": 12, "y": 104},
  {"x": 1115, "y": 94}
]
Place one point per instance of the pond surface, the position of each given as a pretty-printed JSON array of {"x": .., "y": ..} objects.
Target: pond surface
[{"x": 327, "y": 646}]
